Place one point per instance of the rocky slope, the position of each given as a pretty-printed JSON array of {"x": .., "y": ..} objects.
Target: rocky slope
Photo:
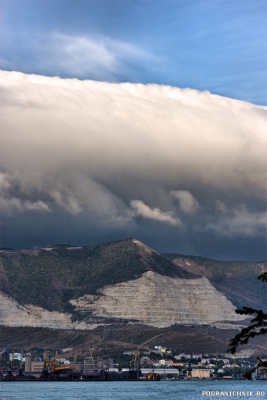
[
  {"x": 50, "y": 277},
  {"x": 161, "y": 301},
  {"x": 79, "y": 288},
  {"x": 237, "y": 280},
  {"x": 14, "y": 314}
]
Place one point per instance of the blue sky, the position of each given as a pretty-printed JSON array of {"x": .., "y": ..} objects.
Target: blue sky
[{"x": 219, "y": 46}]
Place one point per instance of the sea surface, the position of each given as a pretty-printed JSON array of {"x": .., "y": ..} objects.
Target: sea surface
[{"x": 142, "y": 390}]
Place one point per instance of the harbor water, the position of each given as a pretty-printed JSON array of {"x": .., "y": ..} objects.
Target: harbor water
[{"x": 162, "y": 390}]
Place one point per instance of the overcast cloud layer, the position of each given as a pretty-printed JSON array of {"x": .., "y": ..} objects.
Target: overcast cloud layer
[{"x": 87, "y": 162}]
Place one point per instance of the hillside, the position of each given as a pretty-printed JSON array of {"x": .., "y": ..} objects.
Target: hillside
[
  {"x": 50, "y": 277},
  {"x": 236, "y": 279},
  {"x": 67, "y": 287},
  {"x": 113, "y": 340}
]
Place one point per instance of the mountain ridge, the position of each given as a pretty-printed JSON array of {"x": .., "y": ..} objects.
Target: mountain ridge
[
  {"x": 236, "y": 279},
  {"x": 89, "y": 268},
  {"x": 125, "y": 280}
]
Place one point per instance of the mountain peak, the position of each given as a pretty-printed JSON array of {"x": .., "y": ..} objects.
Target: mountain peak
[{"x": 143, "y": 247}]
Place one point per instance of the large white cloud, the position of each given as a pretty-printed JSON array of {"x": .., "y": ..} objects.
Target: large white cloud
[
  {"x": 104, "y": 150},
  {"x": 143, "y": 210}
]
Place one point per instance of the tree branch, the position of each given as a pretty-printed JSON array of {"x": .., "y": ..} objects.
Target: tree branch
[{"x": 258, "y": 327}]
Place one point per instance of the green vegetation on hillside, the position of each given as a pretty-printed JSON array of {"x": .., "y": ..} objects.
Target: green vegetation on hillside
[
  {"x": 236, "y": 279},
  {"x": 122, "y": 337},
  {"x": 49, "y": 278}
]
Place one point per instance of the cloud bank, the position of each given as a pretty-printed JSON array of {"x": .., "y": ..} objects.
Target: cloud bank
[{"x": 120, "y": 160}]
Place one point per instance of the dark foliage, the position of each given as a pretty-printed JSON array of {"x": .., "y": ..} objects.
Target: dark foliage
[
  {"x": 263, "y": 277},
  {"x": 257, "y": 327}
]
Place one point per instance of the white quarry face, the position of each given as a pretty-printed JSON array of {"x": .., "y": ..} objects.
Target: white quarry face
[
  {"x": 13, "y": 314},
  {"x": 162, "y": 301},
  {"x": 152, "y": 299}
]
